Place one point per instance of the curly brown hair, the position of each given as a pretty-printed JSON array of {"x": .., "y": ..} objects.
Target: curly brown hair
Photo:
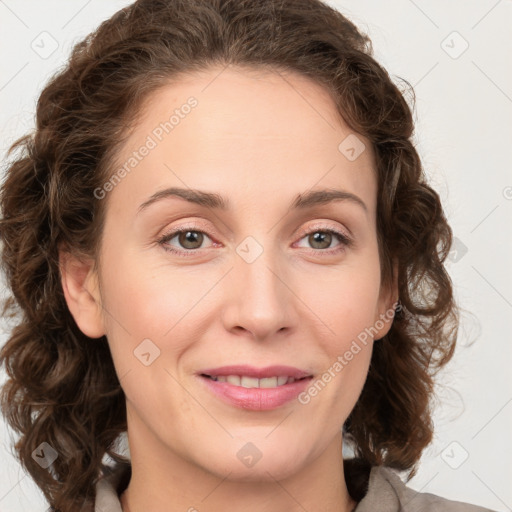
[{"x": 62, "y": 388}]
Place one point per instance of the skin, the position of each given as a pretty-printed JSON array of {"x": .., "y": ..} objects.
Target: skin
[{"x": 259, "y": 139}]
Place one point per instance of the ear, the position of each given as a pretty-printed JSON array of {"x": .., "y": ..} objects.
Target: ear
[
  {"x": 81, "y": 290},
  {"x": 387, "y": 303}
]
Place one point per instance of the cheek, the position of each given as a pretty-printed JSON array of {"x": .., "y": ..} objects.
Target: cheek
[
  {"x": 345, "y": 299},
  {"x": 146, "y": 300}
]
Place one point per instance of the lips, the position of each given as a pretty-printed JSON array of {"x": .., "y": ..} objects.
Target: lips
[
  {"x": 255, "y": 398},
  {"x": 256, "y": 389}
]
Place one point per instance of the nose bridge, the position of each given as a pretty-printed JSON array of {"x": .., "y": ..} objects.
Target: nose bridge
[
  {"x": 256, "y": 258},
  {"x": 263, "y": 294}
]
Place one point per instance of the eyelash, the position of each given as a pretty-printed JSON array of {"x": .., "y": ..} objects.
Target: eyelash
[{"x": 345, "y": 241}]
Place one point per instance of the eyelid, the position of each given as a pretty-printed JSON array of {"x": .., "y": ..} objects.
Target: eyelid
[
  {"x": 171, "y": 233},
  {"x": 345, "y": 239},
  {"x": 322, "y": 225}
]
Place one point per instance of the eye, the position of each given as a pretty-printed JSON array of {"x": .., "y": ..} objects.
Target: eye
[
  {"x": 191, "y": 238},
  {"x": 320, "y": 238}
]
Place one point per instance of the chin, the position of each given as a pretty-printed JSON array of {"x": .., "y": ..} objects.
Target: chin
[{"x": 267, "y": 468}]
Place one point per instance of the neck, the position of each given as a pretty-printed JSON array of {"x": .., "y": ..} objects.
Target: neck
[{"x": 162, "y": 480}]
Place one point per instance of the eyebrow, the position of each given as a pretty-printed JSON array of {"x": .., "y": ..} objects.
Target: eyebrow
[{"x": 217, "y": 202}]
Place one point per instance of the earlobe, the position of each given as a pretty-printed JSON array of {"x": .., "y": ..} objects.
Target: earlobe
[{"x": 80, "y": 287}]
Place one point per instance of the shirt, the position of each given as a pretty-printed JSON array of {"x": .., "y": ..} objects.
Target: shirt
[{"x": 379, "y": 489}]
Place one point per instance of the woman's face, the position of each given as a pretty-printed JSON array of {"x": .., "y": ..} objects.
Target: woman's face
[{"x": 260, "y": 282}]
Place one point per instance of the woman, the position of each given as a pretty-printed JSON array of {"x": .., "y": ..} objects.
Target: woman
[{"x": 222, "y": 243}]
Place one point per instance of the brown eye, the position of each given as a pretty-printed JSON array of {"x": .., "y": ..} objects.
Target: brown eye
[
  {"x": 190, "y": 239},
  {"x": 320, "y": 239}
]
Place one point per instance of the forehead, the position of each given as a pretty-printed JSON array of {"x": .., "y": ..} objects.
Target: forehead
[{"x": 249, "y": 131}]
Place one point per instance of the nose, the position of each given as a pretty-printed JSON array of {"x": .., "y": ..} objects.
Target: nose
[{"x": 260, "y": 297}]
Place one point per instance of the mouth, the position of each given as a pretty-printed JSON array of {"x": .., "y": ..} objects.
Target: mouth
[{"x": 255, "y": 389}]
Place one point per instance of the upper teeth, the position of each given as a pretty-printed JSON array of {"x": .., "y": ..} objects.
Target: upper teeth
[{"x": 252, "y": 382}]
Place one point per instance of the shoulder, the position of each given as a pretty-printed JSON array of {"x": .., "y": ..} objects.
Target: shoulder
[{"x": 387, "y": 492}]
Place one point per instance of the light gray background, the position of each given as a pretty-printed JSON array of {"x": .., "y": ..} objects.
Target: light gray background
[{"x": 463, "y": 134}]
